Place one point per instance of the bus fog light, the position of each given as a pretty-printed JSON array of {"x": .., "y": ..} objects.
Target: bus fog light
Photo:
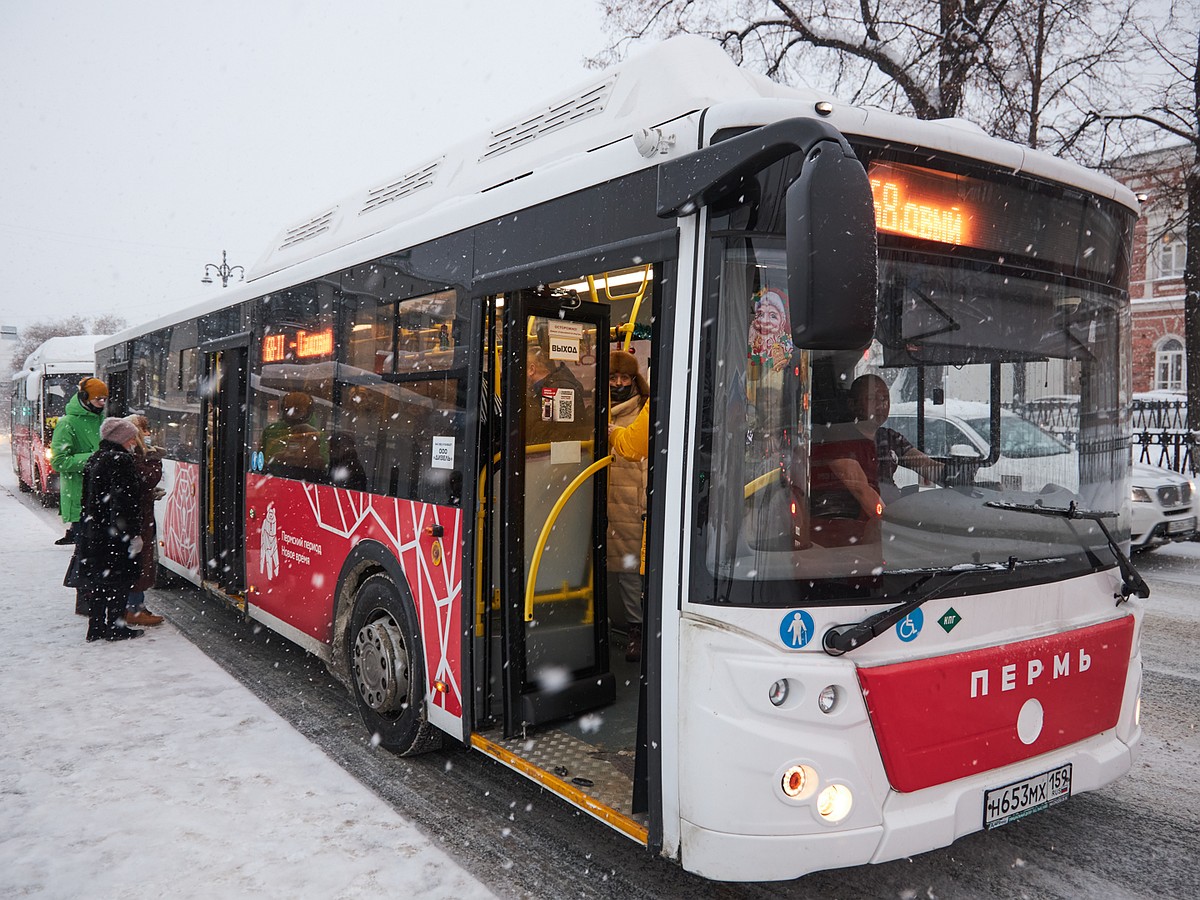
[
  {"x": 779, "y": 692},
  {"x": 834, "y": 803},
  {"x": 799, "y": 782},
  {"x": 828, "y": 699}
]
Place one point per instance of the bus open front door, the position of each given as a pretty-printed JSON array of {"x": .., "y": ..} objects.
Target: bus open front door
[
  {"x": 224, "y": 468},
  {"x": 551, "y": 517}
]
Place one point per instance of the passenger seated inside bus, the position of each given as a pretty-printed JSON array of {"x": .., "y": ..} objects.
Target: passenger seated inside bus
[
  {"x": 854, "y": 465},
  {"x": 292, "y": 446}
]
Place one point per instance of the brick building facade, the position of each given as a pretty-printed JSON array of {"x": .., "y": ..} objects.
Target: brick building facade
[{"x": 1156, "y": 273}]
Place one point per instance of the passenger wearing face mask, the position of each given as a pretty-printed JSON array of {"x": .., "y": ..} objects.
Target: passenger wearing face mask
[
  {"x": 628, "y": 393},
  {"x": 76, "y": 437}
]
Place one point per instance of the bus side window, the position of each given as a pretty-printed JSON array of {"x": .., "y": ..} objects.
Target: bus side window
[
  {"x": 400, "y": 389},
  {"x": 293, "y": 392},
  {"x": 431, "y": 369}
]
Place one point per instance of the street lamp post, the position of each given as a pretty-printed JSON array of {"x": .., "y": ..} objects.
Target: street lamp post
[{"x": 224, "y": 272}]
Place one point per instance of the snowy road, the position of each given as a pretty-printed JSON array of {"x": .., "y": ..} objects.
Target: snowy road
[{"x": 1140, "y": 838}]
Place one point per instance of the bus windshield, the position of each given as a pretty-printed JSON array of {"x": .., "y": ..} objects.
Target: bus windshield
[
  {"x": 831, "y": 475},
  {"x": 59, "y": 389}
]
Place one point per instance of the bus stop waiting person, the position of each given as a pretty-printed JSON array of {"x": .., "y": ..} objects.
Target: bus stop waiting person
[{"x": 76, "y": 437}]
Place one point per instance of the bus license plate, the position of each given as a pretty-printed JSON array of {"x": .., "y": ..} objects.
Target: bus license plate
[{"x": 1014, "y": 801}]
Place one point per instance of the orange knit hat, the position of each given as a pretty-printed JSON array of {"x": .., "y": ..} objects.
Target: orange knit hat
[{"x": 93, "y": 388}]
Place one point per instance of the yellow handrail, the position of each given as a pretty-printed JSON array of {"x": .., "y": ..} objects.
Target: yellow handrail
[
  {"x": 637, "y": 305},
  {"x": 636, "y": 297},
  {"x": 759, "y": 483},
  {"x": 540, "y": 547}
]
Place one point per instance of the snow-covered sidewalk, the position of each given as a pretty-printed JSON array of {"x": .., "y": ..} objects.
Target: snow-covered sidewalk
[{"x": 142, "y": 769}]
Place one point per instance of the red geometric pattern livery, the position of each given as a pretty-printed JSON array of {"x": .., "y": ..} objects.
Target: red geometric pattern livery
[{"x": 300, "y": 535}]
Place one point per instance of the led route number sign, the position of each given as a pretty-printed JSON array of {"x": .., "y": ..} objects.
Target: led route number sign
[
  {"x": 1009, "y": 217},
  {"x": 918, "y": 202},
  {"x": 304, "y": 345}
]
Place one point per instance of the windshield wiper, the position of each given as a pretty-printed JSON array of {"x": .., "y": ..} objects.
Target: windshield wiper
[
  {"x": 841, "y": 638},
  {"x": 1132, "y": 582}
]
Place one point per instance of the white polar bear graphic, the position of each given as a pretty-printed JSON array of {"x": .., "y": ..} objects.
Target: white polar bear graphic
[{"x": 268, "y": 556}]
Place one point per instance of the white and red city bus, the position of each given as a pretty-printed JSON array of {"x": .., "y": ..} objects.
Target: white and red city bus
[
  {"x": 358, "y": 461},
  {"x": 40, "y": 391}
]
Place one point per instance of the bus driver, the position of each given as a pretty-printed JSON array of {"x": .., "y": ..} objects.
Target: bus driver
[{"x": 854, "y": 467}]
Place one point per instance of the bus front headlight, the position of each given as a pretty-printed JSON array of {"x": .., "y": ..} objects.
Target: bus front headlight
[{"x": 834, "y": 803}]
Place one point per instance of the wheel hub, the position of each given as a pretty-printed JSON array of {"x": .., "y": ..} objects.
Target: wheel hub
[{"x": 381, "y": 666}]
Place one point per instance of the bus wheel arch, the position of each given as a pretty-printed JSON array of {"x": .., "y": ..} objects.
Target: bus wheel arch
[{"x": 379, "y": 652}]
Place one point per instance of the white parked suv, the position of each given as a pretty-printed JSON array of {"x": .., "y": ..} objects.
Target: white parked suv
[
  {"x": 1163, "y": 501},
  {"x": 1163, "y": 507}
]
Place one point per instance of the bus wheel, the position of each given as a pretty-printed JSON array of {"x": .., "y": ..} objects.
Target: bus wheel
[
  {"x": 387, "y": 672},
  {"x": 48, "y": 499}
]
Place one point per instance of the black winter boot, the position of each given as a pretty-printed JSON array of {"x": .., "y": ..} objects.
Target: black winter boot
[
  {"x": 121, "y": 633},
  {"x": 633, "y": 652},
  {"x": 97, "y": 621},
  {"x": 114, "y": 610}
]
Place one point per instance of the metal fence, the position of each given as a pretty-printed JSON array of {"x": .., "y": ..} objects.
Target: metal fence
[
  {"x": 1161, "y": 436},
  {"x": 1160, "y": 433}
]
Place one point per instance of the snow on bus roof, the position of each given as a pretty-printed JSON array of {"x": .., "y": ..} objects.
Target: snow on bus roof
[
  {"x": 585, "y": 137},
  {"x": 59, "y": 354}
]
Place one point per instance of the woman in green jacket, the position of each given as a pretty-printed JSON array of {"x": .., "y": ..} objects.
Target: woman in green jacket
[{"x": 76, "y": 437}]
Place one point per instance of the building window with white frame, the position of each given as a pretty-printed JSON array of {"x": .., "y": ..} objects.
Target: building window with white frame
[
  {"x": 1170, "y": 365},
  {"x": 1172, "y": 255}
]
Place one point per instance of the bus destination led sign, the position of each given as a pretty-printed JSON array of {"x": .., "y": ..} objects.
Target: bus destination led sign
[
  {"x": 1001, "y": 217},
  {"x": 919, "y": 203},
  {"x": 304, "y": 345}
]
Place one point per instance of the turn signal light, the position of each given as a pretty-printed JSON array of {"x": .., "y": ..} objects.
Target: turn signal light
[
  {"x": 799, "y": 782},
  {"x": 793, "y": 781}
]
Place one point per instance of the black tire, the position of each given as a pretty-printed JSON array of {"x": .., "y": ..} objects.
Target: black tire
[
  {"x": 25, "y": 488},
  {"x": 387, "y": 668},
  {"x": 48, "y": 499}
]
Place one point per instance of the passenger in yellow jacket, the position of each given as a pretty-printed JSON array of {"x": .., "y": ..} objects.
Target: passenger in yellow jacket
[
  {"x": 628, "y": 394},
  {"x": 632, "y": 441}
]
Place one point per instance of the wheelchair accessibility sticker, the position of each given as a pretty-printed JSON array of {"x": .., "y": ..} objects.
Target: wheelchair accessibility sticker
[
  {"x": 910, "y": 626},
  {"x": 796, "y": 629}
]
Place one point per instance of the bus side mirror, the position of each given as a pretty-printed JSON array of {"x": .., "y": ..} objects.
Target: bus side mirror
[{"x": 832, "y": 258}]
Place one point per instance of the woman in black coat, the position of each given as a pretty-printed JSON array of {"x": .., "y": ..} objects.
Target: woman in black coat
[{"x": 108, "y": 536}]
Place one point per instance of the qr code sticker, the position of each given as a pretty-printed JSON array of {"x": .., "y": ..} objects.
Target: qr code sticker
[{"x": 564, "y": 405}]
